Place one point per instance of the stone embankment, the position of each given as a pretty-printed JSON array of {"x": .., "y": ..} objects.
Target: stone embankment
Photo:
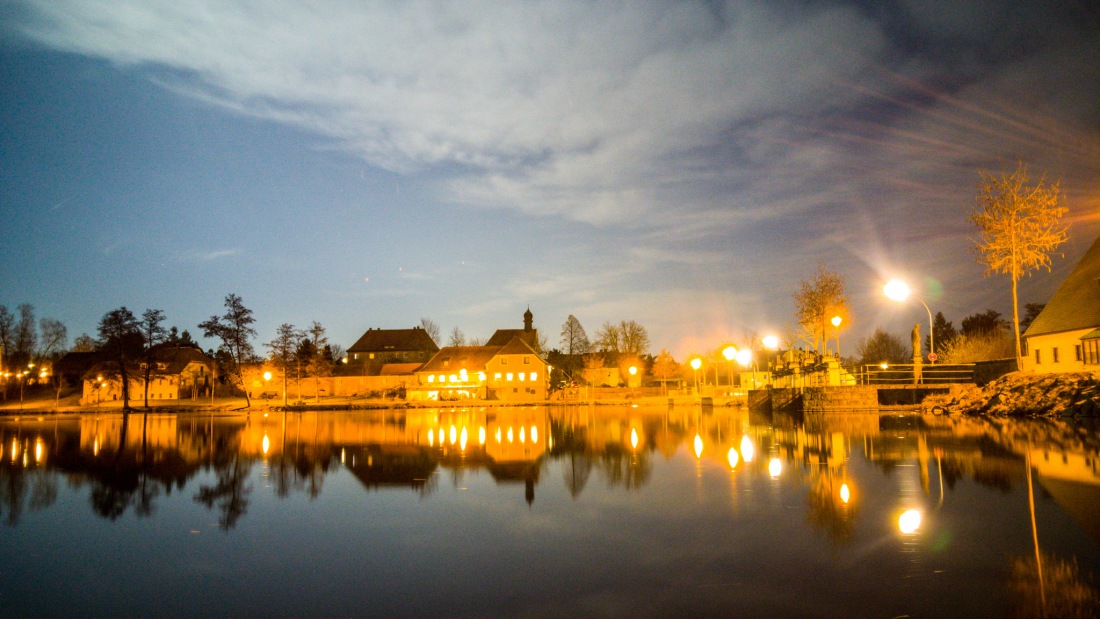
[{"x": 1026, "y": 395}]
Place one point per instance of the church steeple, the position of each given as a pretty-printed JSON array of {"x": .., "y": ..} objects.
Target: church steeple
[{"x": 528, "y": 319}]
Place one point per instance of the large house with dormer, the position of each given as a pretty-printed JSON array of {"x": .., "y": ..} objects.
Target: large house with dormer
[
  {"x": 181, "y": 372},
  {"x": 508, "y": 367},
  {"x": 1065, "y": 336},
  {"x": 378, "y": 347}
]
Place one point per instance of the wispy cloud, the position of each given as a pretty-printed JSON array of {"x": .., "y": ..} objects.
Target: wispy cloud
[{"x": 210, "y": 255}]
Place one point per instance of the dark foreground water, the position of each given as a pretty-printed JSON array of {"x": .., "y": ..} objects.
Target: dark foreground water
[{"x": 546, "y": 512}]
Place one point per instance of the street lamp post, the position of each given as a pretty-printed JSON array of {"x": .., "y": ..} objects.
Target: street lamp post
[
  {"x": 730, "y": 353},
  {"x": 696, "y": 363},
  {"x": 836, "y": 325},
  {"x": 897, "y": 290}
]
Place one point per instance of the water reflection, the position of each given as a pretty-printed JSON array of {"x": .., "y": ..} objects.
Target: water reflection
[{"x": 861, "y": 484}]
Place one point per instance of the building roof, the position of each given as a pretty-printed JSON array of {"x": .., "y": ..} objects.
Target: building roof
[
  {"x": 502, "y": 336},
  {"x": 1076, "y": 303},
  {"x": 388, "y": 340},
  {"x": 454, "y": 358},
  {"x": 517, "y": 346}
]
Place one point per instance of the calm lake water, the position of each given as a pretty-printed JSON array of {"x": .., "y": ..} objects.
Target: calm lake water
[{"x": 606, "y": 511}]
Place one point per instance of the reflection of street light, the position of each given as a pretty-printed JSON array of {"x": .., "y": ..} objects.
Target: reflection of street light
[
  {"x": 836, "y": 323},
  {"x": 696, "y": 363},
  {"x": 897, "y": 290},
  {"x": 909, "y": 521}
]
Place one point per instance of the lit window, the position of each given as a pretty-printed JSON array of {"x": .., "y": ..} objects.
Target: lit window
[
  {"x": 522, "y": 376},
  {"x": 431, "y": 378},
  {"x": 534, "y": 376},
  {"x": 509, "y": 377},
  {"x": 442, "y": 378},
  {"x": 496, "y": 376},
  {"x": 454, "y": 379}
]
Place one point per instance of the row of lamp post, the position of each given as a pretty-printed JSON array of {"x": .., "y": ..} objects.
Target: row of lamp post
[{"x": 895, "y": 290}]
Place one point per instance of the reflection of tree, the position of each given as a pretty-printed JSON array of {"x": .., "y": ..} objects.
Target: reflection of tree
[
  {"x": 1066, "y": 593},
  {"x": 14, "y": 483},
  {"x": 632, "y": 470},
  {"x": 230, "y": 494},
  {"x": 576, "y": 468},
  {"x": 828, "y": 513}
]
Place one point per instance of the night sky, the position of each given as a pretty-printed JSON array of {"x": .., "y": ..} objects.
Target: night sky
[{"x": 680, "y": 164}]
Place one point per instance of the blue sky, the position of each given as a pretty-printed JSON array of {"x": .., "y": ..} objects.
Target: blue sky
[{"x": 680, "y": 164}]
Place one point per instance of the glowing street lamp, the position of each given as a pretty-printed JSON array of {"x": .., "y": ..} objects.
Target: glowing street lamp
[
  {"x": 897, "y": 290},
  {"x": 730, "y": 353},
  {"x": 770, "y": 342},
  {"x": 633, "y": 371},
  {"x": 744, "y": 357},
  {"x": 696, "y": 363},
  {"x": 836, "y": 325}
]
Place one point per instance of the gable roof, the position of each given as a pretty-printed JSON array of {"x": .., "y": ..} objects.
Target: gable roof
[
  {"x": 517, "y": 346},
  {"x": 454, "y": 358},
  {"x": 502, "y": 336},
  {"x": 1076, "y": 303},
  {"x": 386, "y": 340}
]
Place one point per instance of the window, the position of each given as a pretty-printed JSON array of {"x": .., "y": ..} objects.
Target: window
[
  {"x": 1054, "y": 355},
  {"x": 1092, "y": 352},
  {"x": 504, "y": 360},
  {"x": 522, "y": 376},
  {"x": 509, "y": 377},
  {"x": 526, "y": 360},
  {"x": 496, "y": 376},
  {"x": 1038, "y": 358},
  {"x": 1077, "y": 352}
]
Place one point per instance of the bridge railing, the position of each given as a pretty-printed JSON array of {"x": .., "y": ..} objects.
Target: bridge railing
[{"x": 911, "y": 374}]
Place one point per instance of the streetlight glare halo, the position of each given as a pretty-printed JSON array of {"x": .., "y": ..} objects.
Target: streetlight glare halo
[{"x": 896, "y": 290}]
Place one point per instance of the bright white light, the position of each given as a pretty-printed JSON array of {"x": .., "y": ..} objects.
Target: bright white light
[
  {"x": 775, "y": 467},
  {"x": 748, "y": 450},
  {"x": 633, "y": 438},
  {"x": 771, "y": 342},
  {"x": 896, "y": 290},
  {"x": 698, "y": 446},
  {"x": 534, "y": 434},
  {"x": 696, "y": 363},
  {"x": 845, "y": 493},
  {"x": 909, "y": 521},
  {"x": 744, "y": 356},
  {"x": 733, "y": 458}
]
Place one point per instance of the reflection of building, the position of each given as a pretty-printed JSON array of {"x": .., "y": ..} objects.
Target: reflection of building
[{"x": 1065, "y": 336}]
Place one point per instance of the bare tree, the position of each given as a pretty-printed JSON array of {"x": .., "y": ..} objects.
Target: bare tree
[
  {"x": 431, "y": 327},
  {"x": 53, "y": 338},
  {"x": 1019, "y": 226},
  {"x": 120, "y": 344},
  {"x": 234, "y": 329},
  {"x": 283, "y": 349},
  {"x": 26, "y": 334},
  {"x": 665, "y": 368},
  {"x": 818, "y": 301},
  {"x": 626, "y": 337},
  {"x": 84, "y": 343},
  {"x": 320, "y": 362},
  {"x": 152, "y": 333},
  {"x": 457, "y": 338}
]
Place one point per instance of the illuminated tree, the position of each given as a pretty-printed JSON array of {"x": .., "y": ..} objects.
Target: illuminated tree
[
  {"x": 574, "y": 342},
  {"x": 625, "y": 337},
  {"x": 283, "y": 349},
  {"x": 319, "y": 363},
  {"x": 665, "y": 368},
  {"x": 234, "y": 329},
  {"x": 817, "y": 301},
  {"x": 1019, "y": 226}
]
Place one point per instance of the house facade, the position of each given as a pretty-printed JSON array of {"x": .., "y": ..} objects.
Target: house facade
[
  {"x": 181, "y": 373},
  {"x": 1065, "y": 336},
  {"x": 384, "y": 346},
  {"x": 508, "y": 368}
]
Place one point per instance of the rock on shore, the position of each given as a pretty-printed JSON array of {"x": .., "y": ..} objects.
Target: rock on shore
[{"x": 1021, "y": 394}]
